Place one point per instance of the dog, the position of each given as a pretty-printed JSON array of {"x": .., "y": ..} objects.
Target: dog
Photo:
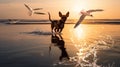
[{"x": 58, "y": 25}]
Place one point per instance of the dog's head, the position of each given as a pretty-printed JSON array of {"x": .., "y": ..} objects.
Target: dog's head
[{"x": 63, "y": 17}]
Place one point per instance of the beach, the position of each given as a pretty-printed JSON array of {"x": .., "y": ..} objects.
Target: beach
[{"x": 90, "y": 45}]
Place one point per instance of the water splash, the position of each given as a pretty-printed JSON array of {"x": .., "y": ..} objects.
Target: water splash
[
  {"x": 87, "y": 50},
  {"x": 39, "y": 33}
]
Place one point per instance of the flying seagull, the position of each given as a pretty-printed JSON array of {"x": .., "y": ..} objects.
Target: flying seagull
[
  {"x": 32, "y": 11},
  {"x": 84, "y": 14}
]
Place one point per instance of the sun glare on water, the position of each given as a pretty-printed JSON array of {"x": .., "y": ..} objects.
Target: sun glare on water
[{"x": 78, "y": 32}]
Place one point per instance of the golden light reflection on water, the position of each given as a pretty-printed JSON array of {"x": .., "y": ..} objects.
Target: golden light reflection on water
[
  {"x": 87, "y": 40},
  {"x": 78, "y": 32}
]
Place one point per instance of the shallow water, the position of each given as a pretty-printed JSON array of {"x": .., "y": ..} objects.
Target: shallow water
[{"x": 34, "y": 46}]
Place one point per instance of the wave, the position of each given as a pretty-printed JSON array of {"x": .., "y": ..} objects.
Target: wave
[{"x": 39, "y": 33}]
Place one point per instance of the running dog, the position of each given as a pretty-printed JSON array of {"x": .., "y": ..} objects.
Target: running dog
[{"x": 58, "y": 25}]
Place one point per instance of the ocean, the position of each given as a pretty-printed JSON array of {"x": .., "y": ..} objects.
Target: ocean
[{"x": 33, "y": 45}]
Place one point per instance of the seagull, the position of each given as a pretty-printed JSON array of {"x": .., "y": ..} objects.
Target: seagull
[
  {"x": 32, "y": 11},
  {"x": 86, "y": 13}
]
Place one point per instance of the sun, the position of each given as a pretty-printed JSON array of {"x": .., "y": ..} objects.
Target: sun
[
  {"x": 76, "y": 9},
  {"x": 79, "y": 5}
]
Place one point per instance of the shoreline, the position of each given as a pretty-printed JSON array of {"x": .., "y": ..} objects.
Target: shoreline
[
  {"x": 22, "y": 23},
  {"x": 69, "y": 21}
]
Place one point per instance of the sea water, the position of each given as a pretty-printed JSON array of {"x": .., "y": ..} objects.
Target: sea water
[{"x": 88, "y": 45}]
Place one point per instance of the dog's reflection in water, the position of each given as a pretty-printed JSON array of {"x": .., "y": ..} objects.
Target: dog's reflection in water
[{"x": 59, "y": 42}]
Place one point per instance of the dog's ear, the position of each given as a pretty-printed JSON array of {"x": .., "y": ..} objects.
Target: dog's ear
[
  {"x": 67, "y": 14},
  {"x": 60, "y": 14}
]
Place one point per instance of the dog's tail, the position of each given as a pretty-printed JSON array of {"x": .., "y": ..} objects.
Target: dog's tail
[{"x": 49, "y": 17}]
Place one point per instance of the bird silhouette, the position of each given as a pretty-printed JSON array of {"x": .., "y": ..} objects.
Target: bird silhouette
[
  {"x": 86, "y": 13},
  {"x": 33, "y": 11}
]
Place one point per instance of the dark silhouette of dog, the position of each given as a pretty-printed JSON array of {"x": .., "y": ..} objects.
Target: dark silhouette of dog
[
  {"x": 58, "y": 25},
  {"x": 59, "y": 42}
]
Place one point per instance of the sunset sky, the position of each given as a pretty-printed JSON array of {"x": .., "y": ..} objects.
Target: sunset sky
[{"x": 15, "y": 9}]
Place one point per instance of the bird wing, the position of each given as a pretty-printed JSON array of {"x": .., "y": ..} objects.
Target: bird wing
[
  {"x": 95, "y": 10},
  {"x": 80, "y": 20},
  {"x": 39, "y": 13},
  {"x": 29, "y": 8},
  {"x": 38, "y": 9},
  {"x": 30, "y": 13}
]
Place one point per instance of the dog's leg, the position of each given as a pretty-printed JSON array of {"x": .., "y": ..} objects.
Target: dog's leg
[
  {"x": 61, "y": 27},
  {"x": 60, "y": 30},
  {"x": 55, "y": 29}
]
